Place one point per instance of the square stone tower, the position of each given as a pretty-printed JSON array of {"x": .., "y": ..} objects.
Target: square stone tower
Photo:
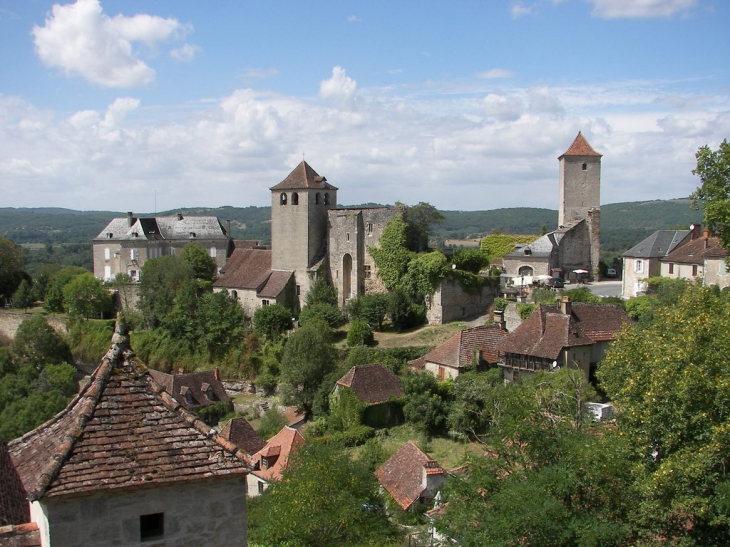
[
  {"x": 580, "y": 192},
  {"x": 299, "y": 206}
]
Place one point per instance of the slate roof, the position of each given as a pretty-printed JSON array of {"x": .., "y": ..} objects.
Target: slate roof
[
  {"x": 303, "y": 176},
  {"x": 402, "y": 474},
  {"x": 372, "y": 384},
  {"x": 458, "y": 351},
  {"x": 543, "y": 246},
  {"x": 696, "y": 251},
  {"x": 547, "y": 331},
  {"x": 242, "y": 434},
  {"x": 251, "y": 269},
  {"x": 122, "y": 431},
  {"x": 168, "y": 228},
  {"x": 580, "y": 147},
  {"x": 14, "y": 508},
  {"x": 282, "y": 446},
  {"x": 195, "y": 384},
  {"x": 659, "y": 244}
]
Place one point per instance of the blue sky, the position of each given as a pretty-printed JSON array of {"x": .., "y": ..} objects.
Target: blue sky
[{"x": 127, "y": 105}]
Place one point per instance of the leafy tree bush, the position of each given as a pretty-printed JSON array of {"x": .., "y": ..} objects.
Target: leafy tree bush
[
  {"x": 476, "y": 402},
  {"x": 84, "y": 296},
  {"x": 470, "y": 260},
  {"x": 582, "y": 294},
  {"x": 426, "y": 402},
  {"x": 160, "y": 280},
  {"x": 54, "y": 301},
  {"x": 203, "y": 266},
  {"x": 321, "y": 292},
  {"x": 327, "y": 312},
  {"x": 544, "y": 296},
  {"x": 89, "y": 340},
  {"x": 360, "y": 334},
  {"x": 37, "y": 344},
  {"x": 11, "y": 268},
  {"x": 371, "y": 308},
  {"x": 713, "y": 168},
  {"x": 212, "y": 414},
  {"x": 500, "y": 304},
  {"x": 419, "y": 219},
  {"x": 525, "y": 310},
  {"x": 23, "y": 296},
  {"x": 272, "y": 320},
  {"x": 497, "y": 245}
]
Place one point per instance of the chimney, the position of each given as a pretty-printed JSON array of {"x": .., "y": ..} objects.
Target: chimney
[
  {"x": 179, "y": 216},
  {"x": 498, "y": 319},
  {"x": 217, "y": 374},
  {"x": 696, "y": 230},
  {"x": 130, "y": 218},
  {"x": 565, "y": 306}
]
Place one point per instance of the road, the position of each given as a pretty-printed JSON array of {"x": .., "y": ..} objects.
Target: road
[{"x": 605, "y": 288}]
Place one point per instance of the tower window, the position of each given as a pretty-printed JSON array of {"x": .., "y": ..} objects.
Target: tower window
[
  {"x": 368, "y": 273},
  {"x": 585, "y": 166},
  {"x": 326, "y": 199},
  {"x": 370, "y": 227},
  {"x": 348, "y": 236},
  {"x": 295, "y": 199},
  {"x": 316, "y": 198},
  {"x": 282, "y": 199}
]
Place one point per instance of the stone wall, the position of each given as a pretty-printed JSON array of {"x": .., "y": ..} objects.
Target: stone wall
[
  {"x": 9, "y": 323},
  {"x": 211, "y": 514},
  {"x": 451, "y": 303}
]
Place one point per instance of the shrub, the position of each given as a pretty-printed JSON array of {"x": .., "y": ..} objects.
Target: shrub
[
  {"x": 272, "y": 320},
  {"x": 500, "y": 304},
  {"x": 525, "y": 310},
  {"x": 329, "y": 313},
  {"x": 360, "y": 334}
]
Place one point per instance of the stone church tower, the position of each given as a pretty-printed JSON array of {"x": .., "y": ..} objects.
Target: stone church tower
[
  {"x": 299, "y": 206},
  {"x": 580, "y": 193}
]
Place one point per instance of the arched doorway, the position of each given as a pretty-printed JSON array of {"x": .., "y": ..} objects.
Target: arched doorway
[
  {"x": 346, "y": 277},
  {"x": 525, "y": 270}
]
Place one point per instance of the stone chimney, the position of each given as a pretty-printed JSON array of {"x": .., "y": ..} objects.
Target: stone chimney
[
  {"x": 565, "y": 306},
  {"x": 696, "y": 231},
  {"x": 130, "y": 218},
  {"x": 499, "y": 319}
]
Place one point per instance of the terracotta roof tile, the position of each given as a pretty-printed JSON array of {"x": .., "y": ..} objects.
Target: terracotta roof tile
[
  {"x": 242, "y": 434},
  {"x": 303, "y": 176},
  {"x": 580, "y": 147},
  {"x": 696, "y": 251},
  {"x": 275, "y": 284},
  {"x": 402, "y": 474},
  {"x": 459, "y": 350},
  {"x": 372, "y": 384},
  {"x": 246, "y": 269},
  {"x": 193, "y": 384},
  {"x": 14, "y": 508},
  {"x": 123, "y": 430},
  {"x": 282, "y": 446}
]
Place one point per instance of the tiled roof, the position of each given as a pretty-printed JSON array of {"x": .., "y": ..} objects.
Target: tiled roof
[
  {"x": 275, "y": 284},
  {"x": 193, "y": 384},
  {"x": 20, "y": 535},
  {"x": 402, "y": 474},
  {"x": 459, "y": 350},
  {"x": 544, "y": 334},
  {"x": 282, "y": 446},
  {"x": 242, "y": 434},
  {"x": 122, "y": 431},
  {"x": 547, "y": 331},
  {"x": 170, "y": 228},
  {"x": 696, "y": 251},
  {"x": 293, "y": 416},
  {"x": 246, "y": 269},
  {"x": 580, "y": 147},
  {"x": 372, "y": 384},
  {"x": 543, "y": 246},
  {"x": 658, "y": 244},
  {"x": 14, "y": 508},
  {"x": 303, "y": 176}
]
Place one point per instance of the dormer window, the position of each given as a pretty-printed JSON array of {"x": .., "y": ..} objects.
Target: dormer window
[
  {"x": 109, "y": 235},
  {"x": 187, "y": 393},
  {"x": 208, "y": 390},
  {"x": 282, "y": 199},
  {"x": 528, "y": 251}
]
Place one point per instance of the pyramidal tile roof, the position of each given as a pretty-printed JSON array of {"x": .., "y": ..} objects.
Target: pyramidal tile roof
[
  {"x": 123, "y": 430},
  {"x": 580, "y": 147},
  {"x": 373, "y": 383},
  {"x": 402, "y": 474},
  {"x": 282, "y": 446},
  {"x": 303, "y": 176},
  {"x": 242, "y": 434}
]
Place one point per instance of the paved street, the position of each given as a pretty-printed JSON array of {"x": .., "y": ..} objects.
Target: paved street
[{"x": 605, "y": 288}]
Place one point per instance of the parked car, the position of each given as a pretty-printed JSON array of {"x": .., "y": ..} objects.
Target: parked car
[
  {"x": 555, "y": 283},
  {"x": 611, "y": 272}
]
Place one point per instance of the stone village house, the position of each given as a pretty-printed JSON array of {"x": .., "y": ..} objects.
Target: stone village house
[
  {"x": 701, "y": 258},
  {"x": 270, "y": 461},
  {"x": 125, "y": 463},
  {"x": 377, "y": 388}
]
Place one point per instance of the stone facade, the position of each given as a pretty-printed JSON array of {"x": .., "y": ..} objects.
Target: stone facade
[
  {"x": 212, "y": 513},
  {"x": 9, "y": 323},
  {"x": 451, "y": 303}
]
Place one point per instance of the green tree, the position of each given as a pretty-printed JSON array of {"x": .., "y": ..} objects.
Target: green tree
[
  {"x": 11, "y": 267},
  {"x": 54, "y": 301},
  {"x": 222, "y": 323},
  {"x": 477, "y": 397},
  {"x": 309, "y": 357},
  {"x": 327, "y": 312},
  {"x": 470, "y": 260},
  {"x": 713, "y": 168},
  {"x": 360, "y": 334},
  {"x": 319, "y": 503},
  {"x": 371, "y": 308},
  {"x": 669, "y": 384},
  {"x": 272, "y": 320},
  {"x": 321, "y": 292},
  {"x": 85, "y": 296},
  {"x": 427, "y": 401},
  {"x": 420, "y": 218},
  {"x": 392, "y": 256},
  {"x": 271, "y": 423},
  {"x": 203, "y": 265},
  {"x": 160, "y": 279},
  {"x": 23, "y": 296},
  {"x": 37, "y": 344}
]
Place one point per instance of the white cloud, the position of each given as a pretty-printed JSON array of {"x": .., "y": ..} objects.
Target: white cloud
[
  {"x": 259, "y": 73},
  {"x": 352, "y": 19},
  {"x": 340, "y": 88},
  {"x": 518, "y": 9},
  {"x": 614, "y": 9},
  {"x": 478, "y": 151},
  {"x": 185, "y": 53},
  {"x": 495, "y": 73},
  {"x": 81, "y": 40}
]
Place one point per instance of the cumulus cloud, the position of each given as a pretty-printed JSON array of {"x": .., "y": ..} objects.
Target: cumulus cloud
[
  {"x": 185, "y": 53},
  {"x": 502, "y": 108},
  {"x": 80, "y": 40},
  {"x": 614, "y": 9},
  {"x": 518, "y": 9},
  {"x": 495, "y": 73},
  {"x": 340, "y": 88}
]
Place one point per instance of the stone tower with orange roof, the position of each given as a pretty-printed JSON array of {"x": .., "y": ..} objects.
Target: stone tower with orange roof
[{"x": 580, "y": 193}]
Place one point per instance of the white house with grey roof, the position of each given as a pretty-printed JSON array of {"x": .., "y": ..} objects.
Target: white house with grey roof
[
  {"x": 643, "y": 259},
  {"x": 125, "y": 244}
]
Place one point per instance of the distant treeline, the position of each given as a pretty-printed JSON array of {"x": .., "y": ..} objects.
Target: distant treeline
[{"x": 622, "y": 224}]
